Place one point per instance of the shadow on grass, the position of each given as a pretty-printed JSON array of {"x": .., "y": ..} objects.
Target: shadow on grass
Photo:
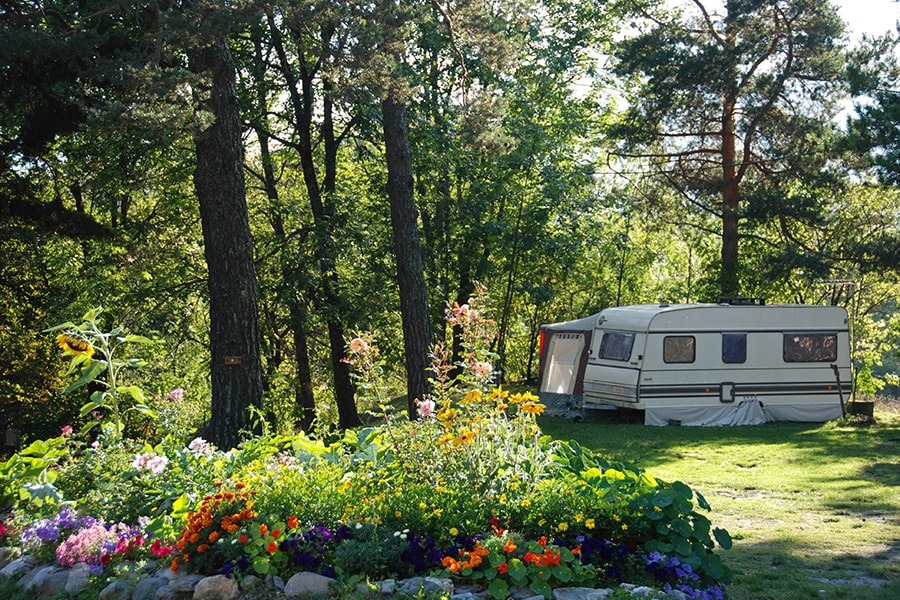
[{"x": 782, "y": 569}]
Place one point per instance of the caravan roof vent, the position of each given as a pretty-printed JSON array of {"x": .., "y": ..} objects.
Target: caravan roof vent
[{"x": 741, "y": 301}]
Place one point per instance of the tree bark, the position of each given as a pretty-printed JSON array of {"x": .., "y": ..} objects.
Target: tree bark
[
  {"x": 236, "y": 368},
  {"x": 417, "y": 335}
]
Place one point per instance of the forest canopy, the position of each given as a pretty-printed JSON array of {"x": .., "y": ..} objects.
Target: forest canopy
[{"x": 381, "y": 159}]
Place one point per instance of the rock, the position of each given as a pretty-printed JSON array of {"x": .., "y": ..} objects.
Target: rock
[
  {"x": 117, "y": 590},
  {"x": 29, "y": 580},
  {"x": 186, "y": 584},
  {"x": 166, "y": 593},
  {"x": 520, "y": 593},
  {"x": 276, "y": 582},
  {"x": 217, "y": 587},
  {"x": 581, "y": 593},
  {"x": 146, "y": 588},
  {"x": 677, "y": 595},
  {"x": 385, "y": 588},
  {"x": 8, "y": 554},
  {"x": 18, "y": 568},
  {"x": 79, "y": 578},
  {"x": 642, "y": 590},
  {"x": 251, "y": 582},
  {"x": 307, "y": 583},
  {"x": 428, "y": 584}
]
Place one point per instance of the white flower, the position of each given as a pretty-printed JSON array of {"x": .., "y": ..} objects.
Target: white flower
[{"x": 482, "y": 369}]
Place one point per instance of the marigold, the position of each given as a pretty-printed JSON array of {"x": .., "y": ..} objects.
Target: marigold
[
  {"x": 213, "y": 536},
  {"x": 202, "y": 548}
]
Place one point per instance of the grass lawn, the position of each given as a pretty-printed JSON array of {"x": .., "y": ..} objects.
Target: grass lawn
[{"x": 814, "y": 509}]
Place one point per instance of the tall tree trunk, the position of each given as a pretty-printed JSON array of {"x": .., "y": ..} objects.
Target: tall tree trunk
[
  {"x": 417, "y": 335},
  {"x": 728, "y": 279},
  {"x": 236, "y": 368}
]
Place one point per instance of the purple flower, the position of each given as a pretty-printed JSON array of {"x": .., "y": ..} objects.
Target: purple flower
[{"x": 176, "y": 394}]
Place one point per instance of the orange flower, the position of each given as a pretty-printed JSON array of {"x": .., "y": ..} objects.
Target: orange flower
[
  {"x": 213, "y": 536},
  {"x": 543, "y": 541},
  {"x": 502, "y": 568},
  {"x": 263, "y": 529},
  {"x": 293, "y": 522},
  {"x": 239, "y": 486},
  {"x": 450, "y": 563},
  {"x": 276, "y": 533},
  {"x": 202, "y": 548},
  {"x": 509, "y": 546},
  {"x": 272, "y": 547},
  {"x": 193, "y": 538},
  {"x": 174, "y": 566}
]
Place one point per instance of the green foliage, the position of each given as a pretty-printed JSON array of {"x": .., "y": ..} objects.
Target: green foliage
[
  {"x": 28, "y": 478},
  {"x": 81, "y": 343}
]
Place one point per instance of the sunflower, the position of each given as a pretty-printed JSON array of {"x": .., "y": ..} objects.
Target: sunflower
[{"x": 72, "y": 345}]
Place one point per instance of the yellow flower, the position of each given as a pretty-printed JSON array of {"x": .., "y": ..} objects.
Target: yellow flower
[
  {"x": 72, "y": 345},
  {"x": 398, "y": 514},
  {"x": 624, "y": 527},
  {"x": 526, "y": 503},
  {"x": 563, "y": 527},
  {"x": 498, "y": 394},
  {"x": 454, "y": 531},
  {"x": 444, "y": 439},
  {"x": 472, "y": 396},
  {"x": 465, "y": 437},
  {"x": 533, "y": 408},
  {"x": 422, "y": 505},
  {"x": 590, "y": 524},
  {"x": 579, "y": 517}
]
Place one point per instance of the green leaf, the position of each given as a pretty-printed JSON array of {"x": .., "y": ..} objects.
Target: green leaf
[
  {"x": 701, "y": 501},
  {"x": 145, "y": 410},
  {"x": 541, "y": 587},
  {"x": 66, "y": 325},
  {"x": 90, "y": 406},
  {"x": 499, "y": 589},
  {"x": 136, "y": 393},
  {"x": 261, "y": 565},
  {"x": 88, "y": 374},
  {"x": 722, "y": 537},
  {"x": 137, "y": 339}
]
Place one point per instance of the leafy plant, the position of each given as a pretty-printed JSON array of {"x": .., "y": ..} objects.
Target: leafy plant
[{"x": 94, "y": 356}]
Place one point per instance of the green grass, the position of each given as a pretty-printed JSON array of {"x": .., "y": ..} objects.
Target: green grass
[{"x": 814, "y": 509}]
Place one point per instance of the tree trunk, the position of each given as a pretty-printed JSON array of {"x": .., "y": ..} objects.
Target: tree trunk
[
  {"x": 407, "y": 251},
  {"x": 728, "y": 279},
  {"x": 236, "y": 369}
]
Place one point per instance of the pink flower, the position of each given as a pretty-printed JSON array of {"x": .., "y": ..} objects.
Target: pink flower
[
  {"x": 358, "y": 345},
  {"x": 482, "y": 369},
  {"x": 426, "y": 407},
  {"x": 66, "y": 431},
  {"x": 176, "y": 394},
  {"x": 154, "y": 463}
]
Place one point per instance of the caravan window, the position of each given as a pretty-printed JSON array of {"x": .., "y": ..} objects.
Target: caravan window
[
  {"x": 679, "y": 349},
  {"x": 734, "y": 348},
  {"x": 810, "y": 347},
  {"x": 616, "y": 345}
]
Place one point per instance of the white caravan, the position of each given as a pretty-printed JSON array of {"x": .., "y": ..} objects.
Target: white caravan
[{"x": 721, "y": 364}]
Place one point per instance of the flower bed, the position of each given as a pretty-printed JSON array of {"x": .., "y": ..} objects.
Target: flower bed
[{"x": 471, "y": 491}]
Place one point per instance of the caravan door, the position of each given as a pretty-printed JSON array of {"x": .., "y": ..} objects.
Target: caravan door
[{"x": 614, "y": 368}]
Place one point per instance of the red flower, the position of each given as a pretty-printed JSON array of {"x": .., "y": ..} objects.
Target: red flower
[
  {"x": 293, "y": 522},
  {"x": 543, "y": 541},
  {"x": 502, "y": 568},
  {"x": 276, "y": 533},
  {"x": 243, "y": 539},
  {"x": 272, "y": 547},
  {"x": 263, "y": 529}
]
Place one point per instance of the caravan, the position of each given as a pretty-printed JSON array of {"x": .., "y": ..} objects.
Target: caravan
[{"x": 719, "y": 364}]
